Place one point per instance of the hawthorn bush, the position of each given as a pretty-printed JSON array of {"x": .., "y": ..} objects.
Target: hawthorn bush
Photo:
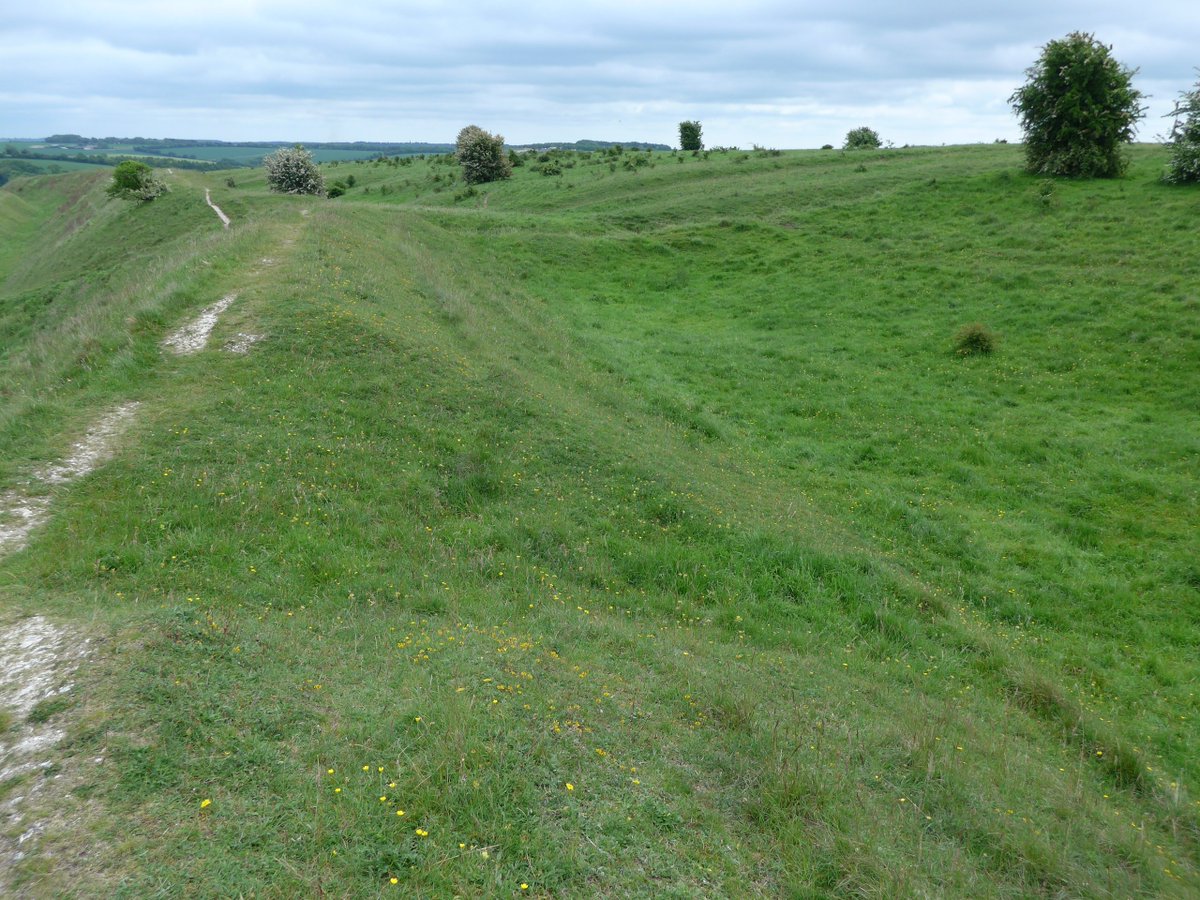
[
  {"x": 689, "y": 136},
  {"x": 291, "y": 170},
  {"x": 481, "y": 156},
  {"x": 133, "y": 180},
  {"x": 1184, "y": 167},
  {"x": 1077, "y": 109},
  {"x": 863, "y": 138}
]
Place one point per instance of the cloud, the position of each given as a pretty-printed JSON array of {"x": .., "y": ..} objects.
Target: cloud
[{"x": 782, "y": 74}]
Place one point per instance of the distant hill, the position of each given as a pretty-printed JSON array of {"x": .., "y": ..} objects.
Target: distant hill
[
  {"x": 161, "y": 146},
  {"x": 591, "y": 145}
]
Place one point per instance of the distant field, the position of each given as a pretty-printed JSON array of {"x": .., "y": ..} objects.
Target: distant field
[
  {"x": 214, "y": 152},
  {"x": 57, "y": 165},
  {"x": 634, "y": 527},
  {"x": 252, "y": 154}
]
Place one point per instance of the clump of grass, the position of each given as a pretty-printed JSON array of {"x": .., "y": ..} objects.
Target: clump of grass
[
  {"x": 975, "y": 339},
  {"x": 1045, "y": 191},
  {"x": 46, "y": 709}
]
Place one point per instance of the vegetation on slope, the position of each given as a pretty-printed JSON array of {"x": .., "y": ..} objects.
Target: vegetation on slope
[{"x": 631, "y": 530}]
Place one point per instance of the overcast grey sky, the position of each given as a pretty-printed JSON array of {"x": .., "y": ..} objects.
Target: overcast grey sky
[{"x": 782, "y": 74}]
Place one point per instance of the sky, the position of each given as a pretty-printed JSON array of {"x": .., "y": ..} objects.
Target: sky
[{"x": 778, "y": 74}]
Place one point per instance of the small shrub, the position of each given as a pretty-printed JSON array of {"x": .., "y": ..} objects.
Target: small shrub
[
  {"x": 1184, "y": 166},
  {"x": 1078, "y": 108},
  {"x": 975, "y": 339},
  {"x": 827, "y": 146},
  {"x": 134, "y": 180},
  {"x": 291, "y": 170},
  {"x": 336, "y": 190},
  {"x": 230, "y": 183},
  {"x": 689, "y": 136},
  {"x": 863, "y": 138},
  {"x": 481, "y": 156},
  {"x": 1045, "y": 191}
]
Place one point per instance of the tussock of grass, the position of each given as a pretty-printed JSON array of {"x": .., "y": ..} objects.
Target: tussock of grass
[{"x": 46, "y": 709}]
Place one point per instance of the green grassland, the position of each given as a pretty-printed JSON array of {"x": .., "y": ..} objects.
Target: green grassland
[
  {"x": 634, "y": 530},
  {"x": 254, "y": 155},
  {"x": 75, "y": 156},
  {"x": 46, "y": 166}
]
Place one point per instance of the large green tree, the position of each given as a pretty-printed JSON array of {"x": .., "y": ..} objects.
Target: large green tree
[
  {"x": 481, "y": 156},
  {"x": 689, "y": 136},
  {"x": 1078, "y": 109}
]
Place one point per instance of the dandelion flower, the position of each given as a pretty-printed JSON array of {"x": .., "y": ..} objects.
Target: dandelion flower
[
  {"x": 570, "y": 787},
  {"x": 421, "y": 832},
  {"x": 395, "y": 881},
  {"x": 205, "y": 803}
]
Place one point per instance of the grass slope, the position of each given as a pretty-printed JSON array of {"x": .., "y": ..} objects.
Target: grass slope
[{"x": 628, "y": 531}]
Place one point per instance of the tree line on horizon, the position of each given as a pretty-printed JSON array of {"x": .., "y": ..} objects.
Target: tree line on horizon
[{"x": 1078, "y": 110}]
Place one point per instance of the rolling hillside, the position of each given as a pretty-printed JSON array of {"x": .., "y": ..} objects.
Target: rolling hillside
[{"x": 630, "y": 528}]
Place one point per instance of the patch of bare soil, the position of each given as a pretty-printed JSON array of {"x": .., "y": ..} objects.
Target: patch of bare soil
[
  {"x": 242, "y": 342},
  {"x": 21, "y": 512},
  {"x": 208, "y": 199},
  {"x": 38, "y": 661},
  {"x": 20, "y": 515},
  {"x": 93, "y": 448},
  {"x": 193, "y": 337}
]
